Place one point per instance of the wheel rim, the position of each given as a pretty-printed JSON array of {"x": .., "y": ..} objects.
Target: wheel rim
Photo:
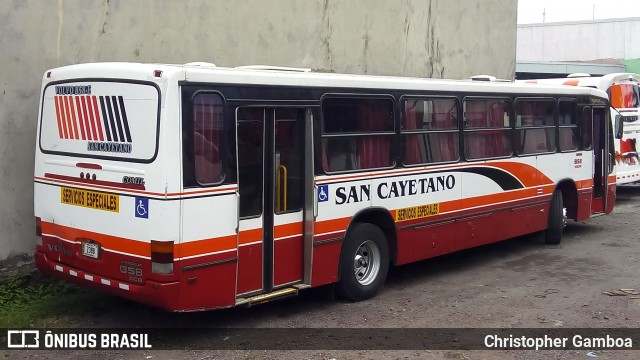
[{"x": 366, "y": 263}]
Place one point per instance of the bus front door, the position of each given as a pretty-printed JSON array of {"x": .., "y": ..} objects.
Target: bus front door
[
  {"x": 601, "y": 161},
  {"x": 271, "y": 182}
]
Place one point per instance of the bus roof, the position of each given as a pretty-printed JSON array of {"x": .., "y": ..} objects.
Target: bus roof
[
  {"x": 598, "y": 82},
  {"x": 263, "y": 75}
]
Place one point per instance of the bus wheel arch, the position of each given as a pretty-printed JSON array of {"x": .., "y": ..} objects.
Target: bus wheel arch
[
  {"x": 365, "y": 256},
  {"x": 563, "y": 204},
  {"x": 569, "y": 197}
]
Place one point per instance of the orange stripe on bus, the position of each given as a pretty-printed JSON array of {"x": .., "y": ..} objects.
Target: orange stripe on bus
[
  {"x": 206, "y": 246},
  {"x": 286, "y": 230},
  {"x": 485, "y": 200},
  {"x": 527, "y": 174},
  {"x": 323, "y": 227},
  {"x": 249, "y": 236},
  {"x": 124, "y": 245}
]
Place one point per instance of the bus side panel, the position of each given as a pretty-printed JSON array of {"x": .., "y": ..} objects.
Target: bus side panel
[
  {"x": 422, "y": 242},
  {"x": 207, "y": 255},
  {"x": 207, "y": 286},
  {"x": 326, "y": 260}
]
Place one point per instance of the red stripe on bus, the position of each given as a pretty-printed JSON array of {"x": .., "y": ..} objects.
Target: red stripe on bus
[
  {"x": 57, "y": 102},
  {"x": 74, "y": 118},
  {"x": 67, "y": 123},
  {"x": 79, "y": 181},
  {"x": 81, "y": 118},
  {"x": 97, "y": 117}
]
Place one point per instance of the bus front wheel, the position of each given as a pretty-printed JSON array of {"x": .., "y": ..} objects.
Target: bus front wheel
[
  {"x": 364, "y": 262},
  {"x": 553, "y": 234}
]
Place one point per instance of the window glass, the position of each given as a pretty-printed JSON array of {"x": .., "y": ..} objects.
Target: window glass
[
  {"x": 250, "y": 160},
  {"x": 534, "y": 113},
  {"x": 207, "y": 136},
  {"x": 586, "y": 129},
  {"x": 567, "y": 121},
  {"x": 349, "y": 115},
  {"x": 486, "y": 113},
  {"x": 429, "y": 130},
  {"x": 430, "y": 114},
  {"x": 426, "y": 148},
  {"x": 535, "y": 140},
  {"x": 356, "y": 152},
  {"x": 487, "y": 144},
  {"x": 357, "y": 134},
  {"x": 288, "y": 160},
  {"x": 567, "y": 113},
  {"x": 487, "y": 131},
  {"x": 535, "y": 126}
]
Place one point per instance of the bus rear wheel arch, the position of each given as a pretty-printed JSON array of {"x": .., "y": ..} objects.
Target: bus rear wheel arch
[{"x": 364, "y": 262}]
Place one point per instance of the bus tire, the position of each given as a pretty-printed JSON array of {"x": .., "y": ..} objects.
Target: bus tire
[
  {"x": 364, "y": 262},
  {"x": 553, "y": 234}
]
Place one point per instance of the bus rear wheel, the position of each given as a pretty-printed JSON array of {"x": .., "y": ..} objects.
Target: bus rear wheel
[
  {"x": 556, "y": 222},
  {"x": 364, "y": 263}
]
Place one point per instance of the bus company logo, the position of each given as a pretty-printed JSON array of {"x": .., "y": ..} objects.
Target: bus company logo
[{"x": 101, "y": 120}]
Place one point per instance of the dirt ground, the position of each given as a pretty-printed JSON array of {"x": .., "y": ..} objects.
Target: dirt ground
[{"x": 519, "y": 283}]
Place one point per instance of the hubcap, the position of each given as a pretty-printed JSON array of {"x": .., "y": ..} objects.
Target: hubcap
[{"x": 366, "y": 263}]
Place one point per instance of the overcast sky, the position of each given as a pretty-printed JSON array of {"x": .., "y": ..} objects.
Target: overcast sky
[{"x": 530, "y": 11}]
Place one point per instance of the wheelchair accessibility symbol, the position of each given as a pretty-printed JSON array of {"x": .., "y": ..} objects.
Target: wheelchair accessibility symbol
[
  {"x": 323, "y": 193},
  {"x": 142, "y": 207}
]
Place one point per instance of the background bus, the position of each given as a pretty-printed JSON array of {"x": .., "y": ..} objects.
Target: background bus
[
  {"x": 624, "y": 94},
  {"x": 197, "y": 187}
]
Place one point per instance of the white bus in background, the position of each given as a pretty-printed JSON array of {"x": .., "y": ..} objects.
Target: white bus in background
[{"x": 624, "y": 94}]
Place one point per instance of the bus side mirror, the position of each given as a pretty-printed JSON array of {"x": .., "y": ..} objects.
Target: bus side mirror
[{"x": 619, "y": 126}]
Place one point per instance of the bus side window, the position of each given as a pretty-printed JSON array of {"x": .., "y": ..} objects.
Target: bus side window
[
  {"x": 568, "y": 125},
  {"x": 487, "y": 133},
  {"x": 207, "y": 136},
  {"x": 357, "y": 133},
  {"x": 586, "y": 128},
  {"x": 535, "y": 130},
  {"x": 429, "y": 131}
]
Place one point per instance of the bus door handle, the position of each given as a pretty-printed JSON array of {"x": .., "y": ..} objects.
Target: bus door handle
[
  {"x": 237, "y": 211},
  {"x": 315, "y": 201}
]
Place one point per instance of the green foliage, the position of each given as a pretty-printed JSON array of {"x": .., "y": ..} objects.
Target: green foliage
[{"x": 33, "y": 301}]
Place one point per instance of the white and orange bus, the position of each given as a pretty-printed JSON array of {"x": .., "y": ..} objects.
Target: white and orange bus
[
  {"x": 624, "y": 95},
  {"x": 197, "y": 187}
]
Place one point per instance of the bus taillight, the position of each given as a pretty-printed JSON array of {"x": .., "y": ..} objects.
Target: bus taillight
[{"x": 161, "y": 257}]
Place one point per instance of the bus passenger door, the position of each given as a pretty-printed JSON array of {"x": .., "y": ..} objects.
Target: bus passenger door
[
  {"x": 601, "y": 161},
  {"x": 271, "y": 174}
]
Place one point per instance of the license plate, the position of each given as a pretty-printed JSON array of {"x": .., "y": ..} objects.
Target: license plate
[{"x": 90, "y": 250}]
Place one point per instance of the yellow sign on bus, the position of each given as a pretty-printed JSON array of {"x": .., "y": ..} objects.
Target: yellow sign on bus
[
  {"x": 90, "y": 199},
  {"x": 417, "y": 212}
]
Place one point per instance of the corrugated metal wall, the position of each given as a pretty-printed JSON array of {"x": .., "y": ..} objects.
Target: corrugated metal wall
[{"x": 579, "y": 41}]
